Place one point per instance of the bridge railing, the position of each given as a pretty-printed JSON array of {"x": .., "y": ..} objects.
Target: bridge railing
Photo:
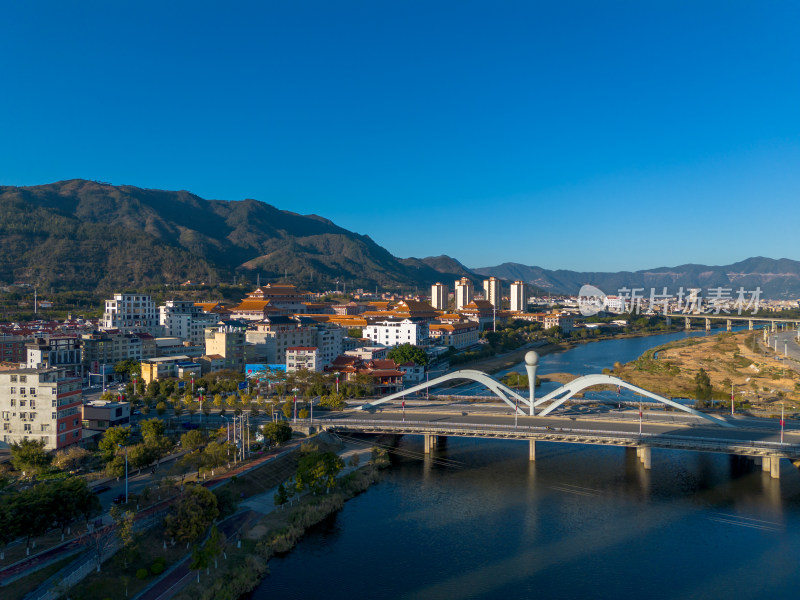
[{"x": 660, "y": 439}]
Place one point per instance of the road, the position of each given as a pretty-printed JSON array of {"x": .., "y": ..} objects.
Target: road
[{"x": 759, "y": 430}]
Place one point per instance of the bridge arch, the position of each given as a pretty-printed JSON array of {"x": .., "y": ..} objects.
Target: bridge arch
[
  {"x": 567, "y": 391},
  {"x": 506, "y": 394}
]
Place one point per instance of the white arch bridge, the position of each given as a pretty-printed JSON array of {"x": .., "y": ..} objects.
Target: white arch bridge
[
  {"x": 555, "y": 398},
  {"x": 756, "y": 440}
]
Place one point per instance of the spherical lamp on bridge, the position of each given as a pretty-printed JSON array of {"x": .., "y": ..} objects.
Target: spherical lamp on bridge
[{"x": 531, "y": 364}]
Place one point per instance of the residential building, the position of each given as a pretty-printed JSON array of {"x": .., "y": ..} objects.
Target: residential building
[
  {"x": 386, "y": 377},
  {"x": 40, "y": 404},
  {"x": 186, "y": 320},
  {"x": 329, "y": 341},
  {"x": 132, "y": 313},
  {"x": 412, "y": 373},
  {"x": 368, "y": 352},
  {"x": 492, "y": 292},
  {"x": 175, "y": 346},
  {"x": 275, "y": 334},
  {"x": 228, "y": 339},
  {"x": 211, "y": 363},
  {"x": 464, "y": 292},
  {"x": 254, "y": 310},
  {"x": 56, "y": 351},
  {"x": 565, "y": 322},
  {"x": 101, "y": 350},
  {"x": 394, "y": 331},
  {"x": 100, "y": 415},
  {"x": 458, "y": 335},
  {"x": 519, "y": 302},
  {"x": 439, "y": 296},
  {"x": 302, "y": 357},
  {"x": 13, "y": 349}
]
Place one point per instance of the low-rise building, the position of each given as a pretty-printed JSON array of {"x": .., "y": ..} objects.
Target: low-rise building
[
  {"x": 40, "y": 404},
  {"x": 13, "y": 348},
  {"x": 56, "y": 351},
  {"x": 394, "y": 331},
  {"x": 302, "y": 357},
  {"x": 99, "y": 415},
  {"x": 458, "y": 335},
  {"x": 228, "y": 339},
  {"x": 156, "y": 369},
  {"x": 186, "y": 320}
]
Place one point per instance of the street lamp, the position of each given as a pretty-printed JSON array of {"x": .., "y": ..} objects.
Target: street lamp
[
  {"x": 200, "y": 391},
  {"x": 295, "y": 390},
  {"x": 337, "y": 382}
]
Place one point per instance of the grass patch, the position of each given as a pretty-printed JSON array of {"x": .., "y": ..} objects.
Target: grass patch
[{"x": 17, "y": 589}]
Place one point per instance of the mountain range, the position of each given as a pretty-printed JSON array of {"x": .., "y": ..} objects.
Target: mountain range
[
  {"x": 777, "y": 278},
  {"x": 92, "y": 236},
  {"x": 87, "y": 235}
]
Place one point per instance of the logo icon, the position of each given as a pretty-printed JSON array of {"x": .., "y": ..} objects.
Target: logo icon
[{"x": 591, "y": 300}]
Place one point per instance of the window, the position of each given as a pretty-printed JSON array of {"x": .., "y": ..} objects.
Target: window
[
  {"x": 33, "y": 392},
  {"x": 53, "y": 416},
  {"x": 54, "y": 403},
  {"x": 6, "y": 426},
  {"x": 13, "y": 402},
  {"x": 27, "y": 427},
  {"x": 23, "y": 378},
  {"x": 13, "y": 379},
  {"x": 22, "y": 402},
  {"x": 45, "y": 427}
]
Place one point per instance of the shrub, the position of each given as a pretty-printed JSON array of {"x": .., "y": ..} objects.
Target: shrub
[
  {"x": 158, "y": 565},
  {"x": 141, "y": 574}
]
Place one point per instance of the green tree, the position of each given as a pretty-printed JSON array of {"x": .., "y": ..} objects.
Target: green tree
[
  {"x": 71, "y": 459},
  {"x": 332, "y": 401},
  {"x": 277, "y": 433},
  {"x": 281, "y": 497},
  {"x": 113, "y": 438},
  {"x": 216, "y": 454},
  {"x": 191, "y": 440},
  {"x": 29, "y": 456},
  {"x": 408, "y": 353},
  {"x": 317, "y": 471},
  {"x": 702, "y": 388},
  {"x": 141, "y": 456},
  {"x": 288, "y": 408},
  {"x": 123, "y": 521},
  {"x": 214, "y": 544},
  {"x": 116, "y": 466},
  {"x": 152, "y": 430},
  {"x": 161, "y": 408},
  {"x": 192, "y": 514},
  {"x": 199, "y": 560}
]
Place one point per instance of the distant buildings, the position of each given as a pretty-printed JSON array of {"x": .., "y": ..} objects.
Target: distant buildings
[
  {"x": 518, "y": 301},
  {"x": 458, "y": 335},
  {"x": 228, "y": 340},
  {"x": 302, "y": 357},
  {"x": 464, "y": 292},
  {"x": 439, "y": 296},
  {"x": 393, "y": 331},
  {"x": 492, "y": 292}
]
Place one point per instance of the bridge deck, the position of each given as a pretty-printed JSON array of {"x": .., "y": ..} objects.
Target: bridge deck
[{"x": 753, "y": 448}]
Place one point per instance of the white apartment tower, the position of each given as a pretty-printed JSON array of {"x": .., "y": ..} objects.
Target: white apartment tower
[
  {"x": 464, "y": 293},
  {"x": 132, "y": 313},
  {"x": 182, "y": 319},
  {"x": 518, "y": 301},
  {"x": 491, "y": 291},
  {"x": 439, "y": 296}
]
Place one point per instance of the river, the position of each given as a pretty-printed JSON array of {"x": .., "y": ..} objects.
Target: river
[{"x": 580, "y": 522}]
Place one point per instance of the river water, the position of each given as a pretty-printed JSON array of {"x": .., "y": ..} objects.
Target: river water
[{"x": 478, "y": 520}]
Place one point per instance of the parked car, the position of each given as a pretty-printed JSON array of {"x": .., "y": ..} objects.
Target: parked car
[
  {"x": 119, "y": 499},
  {"x": 101, "y": 488}
]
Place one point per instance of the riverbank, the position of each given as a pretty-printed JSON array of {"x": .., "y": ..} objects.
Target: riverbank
[
  {"x": 494, "y": 364},
  {"x": 276, "y": 533}
]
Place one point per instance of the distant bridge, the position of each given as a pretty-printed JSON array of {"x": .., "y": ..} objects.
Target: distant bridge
[{"x": 729, "y": 319}]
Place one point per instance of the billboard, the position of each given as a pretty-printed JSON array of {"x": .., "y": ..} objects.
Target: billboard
[{"x": 263, "y": 370}]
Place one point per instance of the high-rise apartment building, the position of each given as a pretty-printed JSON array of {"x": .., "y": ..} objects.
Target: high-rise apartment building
[
  {"x": 40, "y": 404},
  {"x": 518, "y": 301},
  {"x": 132, "y": 313},
  {"x": 228, "y": 339},
  {"x": 439, "y": 296},
  {"x": 491, "y": 291},
  {"x": 464, "y": 292}
]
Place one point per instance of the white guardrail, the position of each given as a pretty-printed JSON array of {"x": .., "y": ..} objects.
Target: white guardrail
[{"x": 520, "y": 431}]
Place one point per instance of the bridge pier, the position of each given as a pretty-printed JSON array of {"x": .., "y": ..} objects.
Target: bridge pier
[
  {"x": 428, "y": 442},
  {"x": 708, "y": 324},
  {"x": 765, "y": 464},
  {"x": 669, "y": 321},
  {"x": 532, "y": 450},
  {"x": 688, "y": 324},
  {"x": 729, "y": 324},
  {"x": 750, "y": 324},
  {"x": 775, "y": 467},
  {"x": 774, "y": 326},
  {"x": 643, "y": 453}
]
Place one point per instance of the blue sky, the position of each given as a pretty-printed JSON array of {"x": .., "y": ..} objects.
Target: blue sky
[{"x": 577, "y": 135}]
